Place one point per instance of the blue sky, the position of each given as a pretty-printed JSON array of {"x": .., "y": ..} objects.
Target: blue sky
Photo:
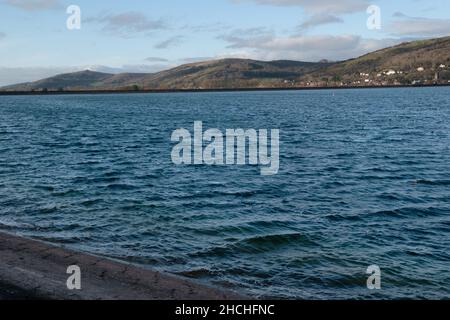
[{"x": 147, "y": 36}]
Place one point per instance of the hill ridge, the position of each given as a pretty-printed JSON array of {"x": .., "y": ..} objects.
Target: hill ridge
[{"x": 409, "y": 63}]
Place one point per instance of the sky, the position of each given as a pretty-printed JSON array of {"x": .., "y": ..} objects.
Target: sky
[{"x": 148, "y": 36}]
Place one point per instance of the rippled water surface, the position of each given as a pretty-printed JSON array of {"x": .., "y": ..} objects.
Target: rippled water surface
[{"x": 364, "y": 179}]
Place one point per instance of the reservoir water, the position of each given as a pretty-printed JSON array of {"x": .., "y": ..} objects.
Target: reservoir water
[{"x": 364, "y": 180}]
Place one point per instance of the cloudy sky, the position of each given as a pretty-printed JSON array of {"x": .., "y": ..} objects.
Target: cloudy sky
[{"x": 147, "y": 36}]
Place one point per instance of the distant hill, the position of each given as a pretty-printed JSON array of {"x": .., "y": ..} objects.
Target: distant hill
[
  {"x": 407, "y": 60},
  {"x": 418, "y": 62},
  {"x": 227, "y": 73},
  {"x": 76, "y": 80},
  {"x": 231, "y": 73}
]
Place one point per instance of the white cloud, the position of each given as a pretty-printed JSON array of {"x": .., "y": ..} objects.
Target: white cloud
[
  {"x": 268, "y": 46},
  {"x": 317, "y": 20},
  {"x": 318, "y": 6},
  {"x": 33, "y": 5},
  {"x": 156, "y": 59},
  {"x": 128, "y": 24},
  {"x": 171, "y": 42},
  {"x": 318, "y": 12},
  {"x": 419, "y": 27}
]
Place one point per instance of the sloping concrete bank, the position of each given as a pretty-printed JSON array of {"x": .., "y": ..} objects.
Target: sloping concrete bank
[{"x": 32, "y": 269}]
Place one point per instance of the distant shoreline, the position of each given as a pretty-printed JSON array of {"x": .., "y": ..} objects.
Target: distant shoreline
[{"x": 85, "y": 92}]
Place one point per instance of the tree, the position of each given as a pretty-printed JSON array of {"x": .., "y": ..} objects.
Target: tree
[{"x": 337, "y": 78}]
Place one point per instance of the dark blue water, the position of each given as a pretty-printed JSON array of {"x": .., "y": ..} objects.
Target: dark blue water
[{"x": 364, "y": 179}]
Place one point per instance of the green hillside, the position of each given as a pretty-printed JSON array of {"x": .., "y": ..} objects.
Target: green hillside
[{"x": 418, "y": 62}]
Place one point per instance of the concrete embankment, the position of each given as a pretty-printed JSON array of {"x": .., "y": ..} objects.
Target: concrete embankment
[{"x": 32, "y": 269}]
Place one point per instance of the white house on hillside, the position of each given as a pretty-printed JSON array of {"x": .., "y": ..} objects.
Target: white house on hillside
[{"x": 391, "y": 72}]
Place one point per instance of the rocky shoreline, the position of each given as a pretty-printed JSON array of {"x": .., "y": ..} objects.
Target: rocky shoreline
[{"x": 31, "y": 269}]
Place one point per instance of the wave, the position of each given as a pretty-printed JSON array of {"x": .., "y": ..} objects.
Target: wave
[
  {"x": 434, "y": 182},
  {"x": 409, "y": 212},
  {"x": 259, "y": 244},
  {"x": 121, "y": 186}
]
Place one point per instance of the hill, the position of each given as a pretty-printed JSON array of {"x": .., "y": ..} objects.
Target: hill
[
  {"x": 227, "y": 73},
  {"x": 418, "y": 62},
  {"x": 232, "y": 73},
  {"x": 76, "y": 80},
  {"x": 413, "y": 62}
]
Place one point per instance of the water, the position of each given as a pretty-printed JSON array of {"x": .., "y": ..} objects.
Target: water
[{"x": 364, "y": 179}]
